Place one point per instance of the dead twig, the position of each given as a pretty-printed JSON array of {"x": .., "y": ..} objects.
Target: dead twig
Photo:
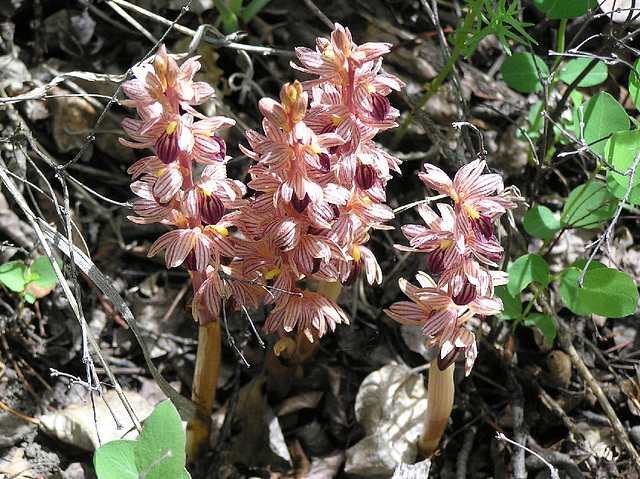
[{"x": 564, "y": 338}]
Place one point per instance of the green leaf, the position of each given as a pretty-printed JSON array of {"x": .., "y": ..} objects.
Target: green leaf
[
  {"x": 602, "y": 115},
  {"x": 609, "y": 292},
  {"x": 621, "y": 151},
  {"x": 568, "y": 287},
  {"x": 512, "y": 304},
  {"x": 29, "y": 297},
  {"x": 634, "y": 84},
  {"x": 525, "y": 270},
  {"x": 251, "y": 10},
  {"x": 14, "y": 275},
  {"x": 520, "y": 73},
  {"x": 589, "y": 208},
  {"x": 160, "y": 452},
  {"x": 544, "y": 323},
  {"x": 617, "y": 190},
  {"x": 116, "y": 460},
  {"x": 557, "y": 9},
  {"x": 46, "y": 276},
  {"x": 540, "y": 222},
  {"x": 573, "y": 68}
]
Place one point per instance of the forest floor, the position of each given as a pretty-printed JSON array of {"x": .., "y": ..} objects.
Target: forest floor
[{"x": 534, "y": 391}]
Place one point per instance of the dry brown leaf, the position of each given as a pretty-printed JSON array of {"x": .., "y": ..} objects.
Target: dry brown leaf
[{"x": 18, "y": 467}]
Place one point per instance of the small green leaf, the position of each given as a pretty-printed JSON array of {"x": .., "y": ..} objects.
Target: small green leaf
[
  {"x": 525, "y": 270},
  {"x": 621, "y": 151},
  {"x": 544, "y": 323},
  {"x": 160, "y": 452},
  {"x": 575, "y": 67},
  {"x": 512, "y": 304},
  {"x": 568, "y": 287},
  {"x": 540, "y": 222},
  {"x": 589, "y": 208},
  {"x": 634, "y": 84},
  {"x": 609, "y": 292},
  {"x": 14, "y": 275},
  {"x": 46, "y": 276},
  {"x": 602, "y": 115},
  {"x": 520, "y": 73},
  {"x": 617, "y": 190},
  {"x": 557, "y": 9},
  {"x": 116, "y": 460}
]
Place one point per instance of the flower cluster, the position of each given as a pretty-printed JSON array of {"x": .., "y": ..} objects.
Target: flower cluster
[
  {"x": 164, "y": 95},
  {"x": 460, "y": 243},
  {"x": 320, "y": 181}
]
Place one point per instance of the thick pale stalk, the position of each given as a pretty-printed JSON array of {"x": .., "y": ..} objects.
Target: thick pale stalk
[
  {"x": 439, "y": 404},
  {"x": 330, "y": 289},
  {"x": 203, "y": 391},
  {"x": 291, "y": 351}
]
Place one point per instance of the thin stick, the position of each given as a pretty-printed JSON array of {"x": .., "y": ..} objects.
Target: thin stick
[{"x": 565, "y": 342}]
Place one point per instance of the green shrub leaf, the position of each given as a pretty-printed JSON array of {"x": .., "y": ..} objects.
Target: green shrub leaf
[
  {"x": 525, "y": 270},
  {"x": 116, "y": 460},
  {"x": 617, "y": 190},
  {"x": 161, "y": 448},
  {"x": 544, "y": 323},
  {"x": 589, "y": 208},
  {"x": 520, "y": 73},
  {"x": 568, "y": 287},
  {"x": 557, "y": 9},
  {"x": 512, "y": 304},
  {"x": 14, "y": 275},
  {"x": 602, "y": 115},
  {"x": 158, "y": 454},
  {"x": 46, "y": 276},
  {"x": 609, "y": 292},
  {"x": 634, "y": 84},
  {"x": 573, "y": 69},
  {"x": 621, "y": 151},
  {"x": 540, "y": 222}
]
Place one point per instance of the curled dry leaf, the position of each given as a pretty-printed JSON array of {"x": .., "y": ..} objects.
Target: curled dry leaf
[
  {"x": 390, "y": 405},
  {"x": 75, "y": 424}
]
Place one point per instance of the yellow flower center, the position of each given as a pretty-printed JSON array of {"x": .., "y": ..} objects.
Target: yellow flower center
[
  {"x": 272, "y": 274},
  {"x": 220, "y": 229},
  {"x": 471, "y": 212},
  {"x": 171, "y": 127},
  {"x": 356, "y": 252}
]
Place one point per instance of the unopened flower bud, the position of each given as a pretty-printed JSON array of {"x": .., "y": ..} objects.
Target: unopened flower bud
[
  {"x": 449, "y": 359},
  {"x": 482, "y": 227},
  {"x": 380, "y": 106},
  {"x": 467, "y": 294},
  {"x": 211, "y": 208},
  {"x": 167, "y": 145},
  {"x": 299, "y": 204},
  {"x": 365, "y": 176},
  {"x": 325, "y": 162},
  {"x": 435, "y": 261}
]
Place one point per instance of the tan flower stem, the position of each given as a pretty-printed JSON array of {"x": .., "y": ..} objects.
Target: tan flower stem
[
  {"x": 293, "y": 350},
  {"x": 440, "y": 394},
  {"x": 330, "y": 289},
  {"x": 203, "y": 391}
]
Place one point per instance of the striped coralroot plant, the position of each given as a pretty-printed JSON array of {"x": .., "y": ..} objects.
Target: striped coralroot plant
[
  {"x": 461, "y": 244},
  {"x": 319, "y": 182}
]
